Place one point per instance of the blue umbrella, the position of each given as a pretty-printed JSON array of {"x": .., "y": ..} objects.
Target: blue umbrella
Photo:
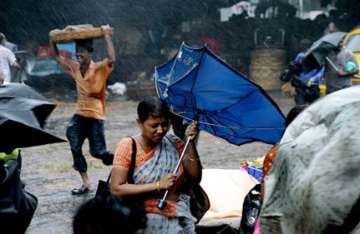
[{"x": 197, "y": 85}]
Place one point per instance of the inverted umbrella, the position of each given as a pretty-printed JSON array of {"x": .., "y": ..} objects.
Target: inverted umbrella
[
  {"x": 316, "y": 55},
  {"x": 331, "y": 38},
  {"x": 198, "y": 85},
  {"x": 27, "y": 98},
  {"x": 20, "y": 127},
  {"x": 20, "y": 90}
]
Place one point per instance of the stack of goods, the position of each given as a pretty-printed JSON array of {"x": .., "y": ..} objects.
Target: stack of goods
[
  {"x": 253, "y": 167},
  {"x": 75, "y": 32}
]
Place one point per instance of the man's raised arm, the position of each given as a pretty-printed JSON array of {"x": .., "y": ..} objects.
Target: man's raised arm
[
  {"x": 108, "y": 32},
  {"x": 66, "y": 63}
]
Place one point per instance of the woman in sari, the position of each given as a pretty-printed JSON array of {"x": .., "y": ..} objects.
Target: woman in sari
[{"x": 157, "y": 155}]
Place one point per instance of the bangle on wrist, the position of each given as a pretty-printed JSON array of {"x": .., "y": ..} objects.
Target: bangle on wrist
[{"x": 193, "y": 159}]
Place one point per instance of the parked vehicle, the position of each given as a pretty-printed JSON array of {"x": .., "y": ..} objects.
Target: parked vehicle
[
  {"x": 44, "y": 67},
  {"x": 45, "y": 74}
]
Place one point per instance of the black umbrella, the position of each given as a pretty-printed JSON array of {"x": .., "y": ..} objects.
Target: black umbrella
[
  {"x": 20, "y": 128},
  {"x": 27, "y": 99},
  {"x": 331, "y": 38},
  {"x": 19, "y": 90},
  {"x": 21, "y": 135},
  {"x": 315, "y": 56}
]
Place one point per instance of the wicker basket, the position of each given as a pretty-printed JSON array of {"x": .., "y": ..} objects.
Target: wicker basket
[{"x": 75, "y": 32}]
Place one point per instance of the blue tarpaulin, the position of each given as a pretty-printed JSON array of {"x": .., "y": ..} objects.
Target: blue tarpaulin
[{"x": 198, "y": 85}]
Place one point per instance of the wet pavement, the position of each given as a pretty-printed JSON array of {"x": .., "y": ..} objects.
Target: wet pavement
[{"x": 48, "y": 174}]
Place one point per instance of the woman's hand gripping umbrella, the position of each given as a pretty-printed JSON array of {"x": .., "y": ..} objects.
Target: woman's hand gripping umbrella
[{"x": 191, "y": 132}]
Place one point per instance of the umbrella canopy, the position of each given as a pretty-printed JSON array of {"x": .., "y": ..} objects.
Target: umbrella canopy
[
  {"x": 22, "y": 135},
  {"x": 22, "y": 117},
  {"x": 27, "y": 99},
  {"x": 318, "y": 149},
  {"x": 315, "y": 56},
  {"x": 198, "y": 85},
  {"x": 20, "y": 90},
  {"x": 331, "y": 38}
]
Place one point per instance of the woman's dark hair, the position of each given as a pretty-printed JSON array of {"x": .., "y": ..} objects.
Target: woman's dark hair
[
  {"x": 107, "y": 215},
  {"x": 152, "y": 106}
]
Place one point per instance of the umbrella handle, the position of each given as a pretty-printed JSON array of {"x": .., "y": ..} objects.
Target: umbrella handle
[
  {"x": 162, "y": 202},
  {"x": 331, "y": 63}
]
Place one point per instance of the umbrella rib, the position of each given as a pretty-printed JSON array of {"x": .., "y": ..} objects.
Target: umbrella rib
[
  {"x": 184, "y": 76},
  {"x": 156, "y": 83},
  {"x": 193, "y": 84},
  {"x": 223, "y": 126},
  {"x": 209, "y": 115}
]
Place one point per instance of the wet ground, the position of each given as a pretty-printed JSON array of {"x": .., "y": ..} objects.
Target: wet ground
[{"x": 48, "y": 174}]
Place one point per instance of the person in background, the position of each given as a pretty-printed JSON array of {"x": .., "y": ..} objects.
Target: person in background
[
  {"x": 306, "y": 83},
  {"x": 156, "y": 158},
  {"x": 340, "y": 67},
  {"x": 331, "y": 28},
  {"x": 11, "y": 46},
  {"x": 88, "y": 121},
  {"x": 7, "y": 60},
  {"x": 17, "y": 206}
]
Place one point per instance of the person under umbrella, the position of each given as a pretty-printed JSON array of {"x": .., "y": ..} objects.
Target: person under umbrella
[
  {"x": 306, "y": 83},
  {"x": 156, "y": 159},
  {"x": 315, "y": 56},
  {"x": 339, "y": 62},
  {"x": 341, "y": 66},
  {"x": 21, "y": 125},
  {"x": 197, "y": 85}
]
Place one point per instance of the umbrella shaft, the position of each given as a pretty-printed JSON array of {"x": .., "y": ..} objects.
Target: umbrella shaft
[
  {"x": 181, "y": 156},
  {"x": 332, "y": 64},
  {"x": 177, "y": 166}
]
